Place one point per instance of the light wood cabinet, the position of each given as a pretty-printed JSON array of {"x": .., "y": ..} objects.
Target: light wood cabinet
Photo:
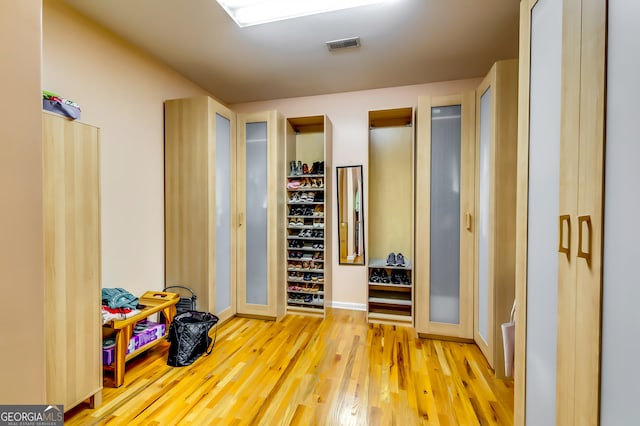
[
  {"x": 200, "y": 198},
  {"x": 308, "y": 219},
  {"x": 261, "y": 195},
  {"x": 559, "y": 248},
  {"x": 496, "y": 135},
  {"x": 390, "y": 212},
  {"x": 71, "y": 159},
  {"x": 445, "y": 235}
]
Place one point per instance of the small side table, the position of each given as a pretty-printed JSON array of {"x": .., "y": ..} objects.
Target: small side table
[{"x": 154, "y": 301}]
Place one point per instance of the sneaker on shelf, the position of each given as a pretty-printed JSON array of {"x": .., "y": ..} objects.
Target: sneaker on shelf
[
  {"x": 391, "y": 259},
  {"x": 399, "y": 259}
]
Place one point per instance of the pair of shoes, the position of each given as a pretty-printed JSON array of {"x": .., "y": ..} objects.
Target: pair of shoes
[
  {"x": 295, "y": 198},
  {"x": 296, "y": 244},
  {"x": 378, "y": 276},
  {"x": 305, "y": 233},
  {"x": 317, "y": 168},
  {"x": 295, "y": 169},
  {"x": 395, "y": 259},
  {"x": 307, "y": 197},
  {"x": 400, "y": 277}
]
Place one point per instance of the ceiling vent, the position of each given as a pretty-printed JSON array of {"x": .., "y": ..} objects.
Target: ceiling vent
[{"x": 343, "y": 43}]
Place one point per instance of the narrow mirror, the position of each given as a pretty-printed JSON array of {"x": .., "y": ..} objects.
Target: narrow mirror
[{"x": 350, "y": 215}]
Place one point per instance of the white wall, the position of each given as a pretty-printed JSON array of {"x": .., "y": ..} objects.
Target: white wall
[
  {"x": 348, "y": 112},
  {"x": 121, "y": 90}
]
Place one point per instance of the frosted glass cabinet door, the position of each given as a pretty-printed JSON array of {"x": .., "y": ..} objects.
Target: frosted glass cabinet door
[
  {"x": 223, "y": 214},
  {"x": 444, "y": 225},
  {"x": 484, "y": 195},
  {"x": 543, "y": 208},
  {"x": 256, "y": 213}
]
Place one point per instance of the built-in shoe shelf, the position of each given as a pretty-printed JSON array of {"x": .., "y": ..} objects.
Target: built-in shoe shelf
[
  {"x": 308, "y": 153},
  {"x": 305, "y": 237},
  {"x": 390, "y": 291}
]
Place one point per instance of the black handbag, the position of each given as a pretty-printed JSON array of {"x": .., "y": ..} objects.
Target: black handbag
[{"x": 189, "y": 337}]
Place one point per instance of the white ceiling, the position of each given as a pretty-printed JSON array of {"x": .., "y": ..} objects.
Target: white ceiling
[{"x": 404, "y": 42}]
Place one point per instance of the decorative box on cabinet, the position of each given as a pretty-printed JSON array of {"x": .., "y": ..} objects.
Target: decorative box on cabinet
[
  {"x": 261, "y": 211},
  {"x": 200, "y": 196},
  {"x": 390, "y": 207},
  {"x": 445, "y": 236},
  {"x": 496, "y": 134},
  {"x": 309, "y": 206},
  {"x": 73, "y": 335}
]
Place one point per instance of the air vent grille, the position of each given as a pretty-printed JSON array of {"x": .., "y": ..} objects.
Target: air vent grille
[{"x": 343, "y": 43}]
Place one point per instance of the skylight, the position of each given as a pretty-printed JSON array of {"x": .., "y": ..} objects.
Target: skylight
[{"x": 253, "y": 12}]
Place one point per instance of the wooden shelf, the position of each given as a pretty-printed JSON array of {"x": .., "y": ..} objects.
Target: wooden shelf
[
  {"x": 382, "y": 264},
  {"x": 390, "y": 287}
]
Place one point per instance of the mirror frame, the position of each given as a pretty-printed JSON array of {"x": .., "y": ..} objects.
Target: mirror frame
[{"x": 359, "y": 259}]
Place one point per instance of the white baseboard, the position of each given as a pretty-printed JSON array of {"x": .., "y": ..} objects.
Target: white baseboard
[{"x": 350, "y": 306}]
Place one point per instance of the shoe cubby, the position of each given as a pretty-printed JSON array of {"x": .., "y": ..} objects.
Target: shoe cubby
[
  {"x": 308, "y": 230},
  {"x": 390, "y": 289},
  {"x": 390, "y": 217}
]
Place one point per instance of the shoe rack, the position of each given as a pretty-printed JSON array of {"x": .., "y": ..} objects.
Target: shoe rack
[
  {"x": 390, "y": 217},
  {"x": 308, "y": 210},
  {"x": 390, "y": 287}
]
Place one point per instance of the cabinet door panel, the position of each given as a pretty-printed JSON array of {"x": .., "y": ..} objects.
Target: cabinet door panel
[
  {"x": 260, "y": 232},
  {"x": 445, "y": 208},
  {"x": 444, "y": 279},
  {"x": 484, "y": 184},
  {"x": 256, "y": 213},
  {"x": 223, "y": 209},
  {"x": 543, "y": 208}
]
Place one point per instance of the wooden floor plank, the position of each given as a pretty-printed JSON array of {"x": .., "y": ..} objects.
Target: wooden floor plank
[{"x": 339, "y": 370}]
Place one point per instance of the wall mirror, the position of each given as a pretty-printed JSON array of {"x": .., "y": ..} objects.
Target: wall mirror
[{"x": 350, "y": 215}]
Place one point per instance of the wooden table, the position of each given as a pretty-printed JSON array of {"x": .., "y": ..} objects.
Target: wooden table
[{"x": 154, "y": 301}]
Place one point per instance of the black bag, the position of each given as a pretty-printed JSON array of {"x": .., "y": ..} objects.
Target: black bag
[{"x": 189, "y": 337}]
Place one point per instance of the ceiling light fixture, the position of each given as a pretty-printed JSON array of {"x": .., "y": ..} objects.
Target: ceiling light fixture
[{"x": 253, "y": 12}]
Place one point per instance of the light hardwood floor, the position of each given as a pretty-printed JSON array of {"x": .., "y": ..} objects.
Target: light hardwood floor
[{"x": 310, "y": 371}]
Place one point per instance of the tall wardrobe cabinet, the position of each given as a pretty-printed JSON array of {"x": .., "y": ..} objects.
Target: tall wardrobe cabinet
[
  {"x": 445, "y": 235},
  {"x": 560, "y": 204},
  {"x": 71, "y": 159},
  {"x": 200, "y": 199},
  {"x": 496, "y": 135}
]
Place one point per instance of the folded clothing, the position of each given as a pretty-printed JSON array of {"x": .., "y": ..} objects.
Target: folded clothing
[
  {"x": 59, "y": 105},
  {"x": 110, "y": 314}
]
